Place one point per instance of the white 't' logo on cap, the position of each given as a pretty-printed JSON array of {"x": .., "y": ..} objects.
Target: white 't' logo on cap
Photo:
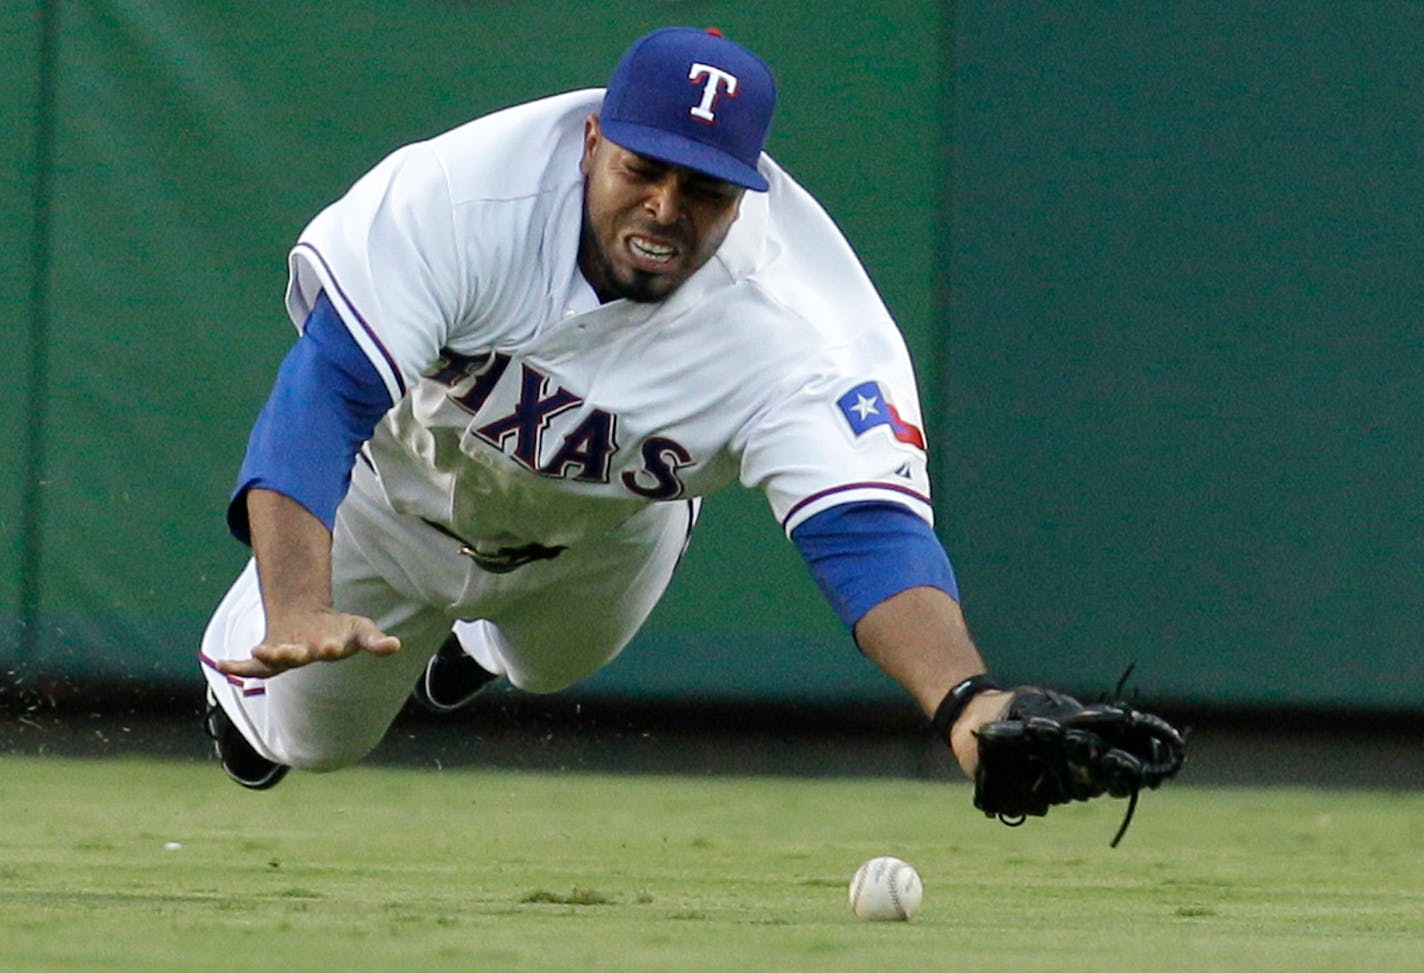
[{"x": 716, "y": 78}]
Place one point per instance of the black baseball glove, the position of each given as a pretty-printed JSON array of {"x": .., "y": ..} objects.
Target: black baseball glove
[{"x": 1048, "y": 748}]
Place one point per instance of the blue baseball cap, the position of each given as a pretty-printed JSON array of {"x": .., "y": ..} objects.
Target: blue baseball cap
[{"x": 693, "y": 98}]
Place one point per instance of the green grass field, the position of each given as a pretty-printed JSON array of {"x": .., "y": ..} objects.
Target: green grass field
[{"x": 420, "y": 870}]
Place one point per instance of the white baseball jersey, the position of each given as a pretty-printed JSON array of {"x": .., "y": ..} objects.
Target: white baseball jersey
[{"x": 528, "y": 413}]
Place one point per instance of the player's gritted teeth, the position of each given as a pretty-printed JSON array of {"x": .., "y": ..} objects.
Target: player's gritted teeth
[{"x": 653, "y": 254}]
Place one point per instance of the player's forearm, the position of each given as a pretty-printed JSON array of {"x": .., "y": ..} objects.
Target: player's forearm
[
  {"x": 919, "y": 638},
  {"x": 293, "y": 551}
]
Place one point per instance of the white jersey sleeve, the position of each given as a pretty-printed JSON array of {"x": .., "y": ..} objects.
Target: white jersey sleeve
[
  {"x": 386, "y": 256},
  {"x": 845, "y": 424},
  {"x": 852, "y": 434}
]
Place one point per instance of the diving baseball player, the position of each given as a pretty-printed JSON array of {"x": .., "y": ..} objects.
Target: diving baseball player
[{"x": 528, "y": 347}]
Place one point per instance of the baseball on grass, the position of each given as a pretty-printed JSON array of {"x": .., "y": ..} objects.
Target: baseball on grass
[{"x": 886, "y": 888}]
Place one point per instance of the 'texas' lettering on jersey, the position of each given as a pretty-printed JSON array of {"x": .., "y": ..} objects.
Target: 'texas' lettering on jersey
[{"x": 586, "y": 451}]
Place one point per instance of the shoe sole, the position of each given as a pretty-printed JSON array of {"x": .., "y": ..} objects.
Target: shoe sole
[{"x": 217, "y": 724}]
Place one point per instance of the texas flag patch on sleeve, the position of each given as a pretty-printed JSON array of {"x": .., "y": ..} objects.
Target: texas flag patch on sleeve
[{"x": 866, "y": 407}]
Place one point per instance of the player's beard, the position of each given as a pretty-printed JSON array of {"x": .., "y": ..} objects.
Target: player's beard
[{"x": 603, "y": 275}]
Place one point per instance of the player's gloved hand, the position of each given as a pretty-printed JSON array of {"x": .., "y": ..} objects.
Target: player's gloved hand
[
  {"x": 1044, "y": 748},
  {"x": 984, "y": 707},
  {"x": 1047, "y": 748},
  {"x": 323, "y": 635}
]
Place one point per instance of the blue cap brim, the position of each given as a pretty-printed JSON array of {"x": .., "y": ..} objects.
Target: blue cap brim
[{"x": 682, "y": 151}]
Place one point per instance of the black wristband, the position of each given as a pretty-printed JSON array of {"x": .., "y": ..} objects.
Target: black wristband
[{"x": 955, "y": 701}]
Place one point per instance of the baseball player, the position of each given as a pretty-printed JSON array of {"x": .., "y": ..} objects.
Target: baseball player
[{"x": 528, "y": 347}]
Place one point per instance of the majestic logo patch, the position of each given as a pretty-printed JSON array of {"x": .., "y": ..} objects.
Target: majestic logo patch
[{"x": 866, "y": 407}]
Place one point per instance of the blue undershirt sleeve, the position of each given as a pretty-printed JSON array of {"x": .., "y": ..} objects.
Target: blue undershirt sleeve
[
  {"x": 325, "y": 403},
  {"x": 862, "y": 553}
]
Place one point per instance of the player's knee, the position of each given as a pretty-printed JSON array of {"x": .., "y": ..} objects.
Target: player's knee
[
  {"x": 321, "y": 763},
  {"x": 550, "y": 665},
  {"x": 542, "y": 683},
  {"x": 323, "y": 756}
]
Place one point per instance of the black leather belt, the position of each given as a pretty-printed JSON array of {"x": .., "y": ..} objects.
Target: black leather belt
[{"x": 500, "y": 560}]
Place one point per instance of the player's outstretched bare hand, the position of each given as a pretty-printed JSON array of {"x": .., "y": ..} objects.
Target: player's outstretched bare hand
[{"x": 321, "y": 636}]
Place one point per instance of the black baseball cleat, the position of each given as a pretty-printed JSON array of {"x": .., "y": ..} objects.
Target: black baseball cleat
[
  {"x": 242, "y": 763},
  {"x": 451, "y": 679}
]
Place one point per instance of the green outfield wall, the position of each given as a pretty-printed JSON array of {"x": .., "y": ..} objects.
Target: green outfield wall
[{"x": 1159, "y": 267}]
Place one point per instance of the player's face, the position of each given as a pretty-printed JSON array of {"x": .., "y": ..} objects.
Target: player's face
[{"x": 647, "y": 225}]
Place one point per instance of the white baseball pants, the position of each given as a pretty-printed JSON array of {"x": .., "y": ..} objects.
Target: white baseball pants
[{"x": 544, "y": 625}]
